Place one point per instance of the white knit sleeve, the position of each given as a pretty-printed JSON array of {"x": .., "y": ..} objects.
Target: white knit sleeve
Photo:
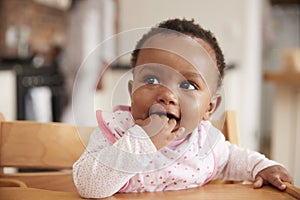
[
  {"x": 104, "y": 169},
  {"x": 236, "y": 163}
]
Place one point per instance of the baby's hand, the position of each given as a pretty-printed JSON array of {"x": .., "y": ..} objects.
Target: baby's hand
[
  {"x": 274, "y": 175},
  {"x": 160, "y": 129}
]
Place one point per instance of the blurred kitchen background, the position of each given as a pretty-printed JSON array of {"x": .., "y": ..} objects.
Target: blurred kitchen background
[{"x": 43, "y": 43}]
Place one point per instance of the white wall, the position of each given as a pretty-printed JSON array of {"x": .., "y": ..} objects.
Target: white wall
[
  {"x": 236, "y": 24},
  {"x": 89, "y": 23},
  {"x": 8, "y": 104},
  {"x": 115, "y": 90},
  {"x": 224, "y": 18}
]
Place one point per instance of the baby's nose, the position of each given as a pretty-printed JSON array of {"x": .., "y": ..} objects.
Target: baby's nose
[{"x": 167, "y": 96}]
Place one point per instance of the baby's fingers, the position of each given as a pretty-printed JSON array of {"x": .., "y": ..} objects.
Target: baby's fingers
[
  {"x": 171, "y": 125},
  {"x": 258, "y": 183},
  {"x": 180, "y": 133},
  {"x": 277, "y": 182}
]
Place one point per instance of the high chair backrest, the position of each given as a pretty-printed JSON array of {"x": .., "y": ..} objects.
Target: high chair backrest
[
  {"x": 34, "y": 145},
  {"x": 230, "y": 128}
]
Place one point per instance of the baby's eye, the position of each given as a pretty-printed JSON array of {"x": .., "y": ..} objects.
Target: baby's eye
[
  {"x": 187, "y": 85},
  {"x": 151, "y": 80}
]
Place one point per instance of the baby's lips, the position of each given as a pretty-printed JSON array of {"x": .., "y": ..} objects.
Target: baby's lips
[
  {"x": 156, "y": 109},
  {"x": 160, "y": 110}
]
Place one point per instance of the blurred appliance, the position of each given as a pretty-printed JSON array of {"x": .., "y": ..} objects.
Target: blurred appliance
[{"x": 41, "y": 94}]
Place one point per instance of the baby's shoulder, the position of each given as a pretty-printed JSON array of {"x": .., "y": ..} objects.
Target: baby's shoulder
[{"x": 209, "y": 133}]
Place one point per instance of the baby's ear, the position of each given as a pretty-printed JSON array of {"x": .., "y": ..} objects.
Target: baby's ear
[
  {"x": 213, "y": 106},
  {"x": 130, "y": 86}
]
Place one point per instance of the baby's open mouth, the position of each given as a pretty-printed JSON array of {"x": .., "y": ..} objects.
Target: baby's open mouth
[{"x": 169, "y": 115}]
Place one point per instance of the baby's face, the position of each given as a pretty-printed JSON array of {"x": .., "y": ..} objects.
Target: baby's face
[{"x": 171, "y": 83}]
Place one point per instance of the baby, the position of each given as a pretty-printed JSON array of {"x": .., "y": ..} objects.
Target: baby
[{"x": 164, "y": 140}]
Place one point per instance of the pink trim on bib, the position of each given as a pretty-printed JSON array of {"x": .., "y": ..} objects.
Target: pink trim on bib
[
  {"x": 102, "y": 125},
  {"x": 124, "y": 187},
  {"x": 215, "y": 169},
  {"x": 122, "y": 107}
]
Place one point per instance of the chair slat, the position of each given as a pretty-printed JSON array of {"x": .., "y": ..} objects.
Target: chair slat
[
  {"x": 31, "y": 145},
  {"x": 39, "y": 145},
  {"x": 58, "y": 181},
  {"x": 292, "y": 190},
  {"x": 231, "y": 129}
]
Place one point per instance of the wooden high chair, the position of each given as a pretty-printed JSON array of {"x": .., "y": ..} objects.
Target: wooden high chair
[
  {"x": 230, "y": 128},
  {"x": 34, "y": 145}
]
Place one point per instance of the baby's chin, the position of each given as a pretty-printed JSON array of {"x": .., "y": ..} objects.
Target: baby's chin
[
  {"x": 187, "y": 130},
  {"x": 182, "y": 136}
]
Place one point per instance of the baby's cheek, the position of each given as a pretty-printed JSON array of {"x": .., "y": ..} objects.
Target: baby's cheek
[{"x": 190, "y": 119}]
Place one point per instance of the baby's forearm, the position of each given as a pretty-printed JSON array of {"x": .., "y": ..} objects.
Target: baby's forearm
[
  {"x": 95, "y": 180},
  {"x": 105, "y": 169},
  {"x": 243, "y": 164}
]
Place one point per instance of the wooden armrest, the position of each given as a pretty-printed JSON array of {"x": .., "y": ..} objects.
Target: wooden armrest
[
  {"x": 292, "y": 190},
  {"x": 58, "y": 181},
  {"x": 7, "y": 182}
]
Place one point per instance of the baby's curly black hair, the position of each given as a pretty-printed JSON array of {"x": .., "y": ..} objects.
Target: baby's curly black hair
[{"x": 187, "y": 27}]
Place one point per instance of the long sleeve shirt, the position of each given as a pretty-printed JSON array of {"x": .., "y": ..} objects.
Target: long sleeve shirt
[{"x": 120, "y": 157}]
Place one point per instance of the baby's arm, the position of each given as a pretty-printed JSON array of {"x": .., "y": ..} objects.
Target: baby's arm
[
  {"x": 105, "y": 169},
  {"x": 236, "y": 163}
]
